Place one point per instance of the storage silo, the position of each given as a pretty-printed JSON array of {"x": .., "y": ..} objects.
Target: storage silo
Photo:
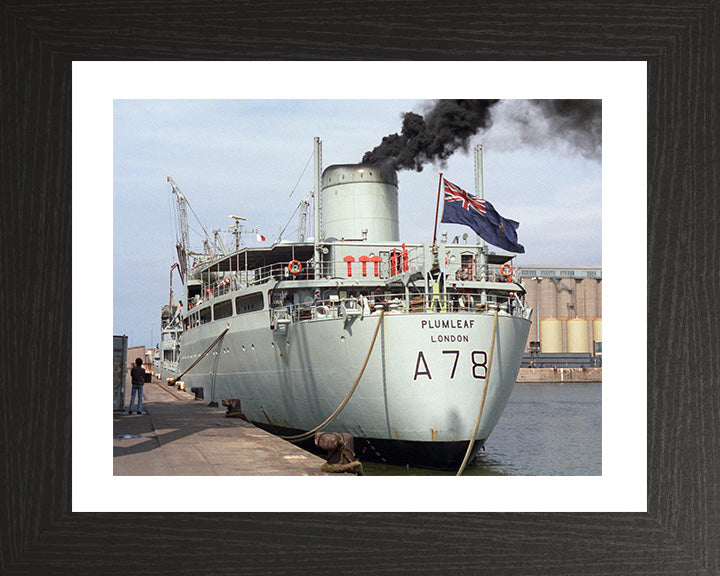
[
  {"x": 359, "y": 201},
  {"x": 551, "y": 340},
  {"x": 597, "y": 329},
  {"x": 532, "y": 299},
  {"x": 578, "y": 336},
  {"x": 579, "y": 293},
  {"x": 590, "y": 292},
  {"x": 548, "y": 299}
]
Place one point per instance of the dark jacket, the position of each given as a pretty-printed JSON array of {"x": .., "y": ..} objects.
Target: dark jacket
[{"x": 138, "y": 375}]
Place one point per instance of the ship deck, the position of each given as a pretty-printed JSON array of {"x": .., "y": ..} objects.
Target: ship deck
[{"x": 177, "y": 435}]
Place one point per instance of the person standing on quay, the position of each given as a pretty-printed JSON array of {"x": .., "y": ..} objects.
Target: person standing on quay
[{"x": 137, "y": 375}]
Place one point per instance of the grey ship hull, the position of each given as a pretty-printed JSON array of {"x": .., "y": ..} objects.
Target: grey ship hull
[{"x": 418, "y": 398}]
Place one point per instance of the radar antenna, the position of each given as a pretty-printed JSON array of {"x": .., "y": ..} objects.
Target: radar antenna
[{"x": 237, "y": 230}]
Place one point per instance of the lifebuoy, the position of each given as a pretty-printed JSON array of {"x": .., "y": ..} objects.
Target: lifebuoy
[
  {"x": 294, "y": 267},
  {"x": 507, "y": 271}
]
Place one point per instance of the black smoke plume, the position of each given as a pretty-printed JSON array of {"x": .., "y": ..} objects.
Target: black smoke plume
[
  {"x": 575, "y": 123},
  {"x": 433, "y": 138},
  {"x": 448, "y": 126}
]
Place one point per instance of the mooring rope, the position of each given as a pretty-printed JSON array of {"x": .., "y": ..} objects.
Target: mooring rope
[
  {"x": 339, "y": 409},
  {"x": 482, "y": 400},
  {"x": 215, "y": 367},
  {"x": 201, "y": 356}
]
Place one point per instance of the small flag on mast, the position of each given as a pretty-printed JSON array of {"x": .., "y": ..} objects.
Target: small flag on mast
[
  {"x": 461, "y": 207},
  {"x": 260, "y": 237}
]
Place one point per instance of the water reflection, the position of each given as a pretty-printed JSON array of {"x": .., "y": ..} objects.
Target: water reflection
[{"x": 546, "y": 430}]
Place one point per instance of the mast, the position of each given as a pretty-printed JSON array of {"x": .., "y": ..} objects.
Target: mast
[
  {"x": 175, "y": 265},
  {"x": 316, "y": 203},
  {"x": 237, "y": 230},
  {"x": 479, "y": 192}
]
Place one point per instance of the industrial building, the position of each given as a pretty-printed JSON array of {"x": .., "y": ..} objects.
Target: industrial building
[
  {"x": 567, "y": 317},
  {"x": 123, "y": 361}
]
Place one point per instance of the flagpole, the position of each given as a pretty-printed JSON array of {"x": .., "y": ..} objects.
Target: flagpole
[
  {"x": 317, "y": 153},
  {"x": 437, "y": 208},
  {"x": 480, "y": 193}
]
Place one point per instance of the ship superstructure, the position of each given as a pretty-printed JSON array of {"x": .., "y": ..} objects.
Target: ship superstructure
[{"x": 431, "y": 330}]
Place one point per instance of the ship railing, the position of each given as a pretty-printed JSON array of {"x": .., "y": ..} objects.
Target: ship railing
[
  {"x": 465, "y": 301},
  {"x": 459, "y": 271},
  {"x": 397, "y": 303},
  {"x": 364, "y": 270},
  {"x": 241, "y": 279}
]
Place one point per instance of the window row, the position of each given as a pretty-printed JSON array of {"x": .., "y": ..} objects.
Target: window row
[{"x": 243, "y": 304}]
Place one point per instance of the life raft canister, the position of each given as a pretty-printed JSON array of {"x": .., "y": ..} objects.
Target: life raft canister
[
  {"x": 507, "y": 271},
  {"x": 294, "y": 267}
]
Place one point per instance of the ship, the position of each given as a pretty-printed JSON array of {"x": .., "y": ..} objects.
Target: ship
[
  {"x": 171, "y": 328},
  {"x": 413, "y": 348}
]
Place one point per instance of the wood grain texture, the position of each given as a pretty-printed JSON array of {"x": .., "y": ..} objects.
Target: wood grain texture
[{"x": 680, "y": 534}]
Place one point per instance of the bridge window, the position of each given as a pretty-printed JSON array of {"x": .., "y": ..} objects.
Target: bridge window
[
  {"x": 249, "y": 303},
  {"x": 222, "y": 309}
]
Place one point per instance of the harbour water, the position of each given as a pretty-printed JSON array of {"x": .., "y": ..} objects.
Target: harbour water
[{"x": 548, "y": 429}]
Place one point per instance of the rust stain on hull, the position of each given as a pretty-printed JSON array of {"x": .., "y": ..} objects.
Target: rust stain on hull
[{"x": 267, "y": 417}]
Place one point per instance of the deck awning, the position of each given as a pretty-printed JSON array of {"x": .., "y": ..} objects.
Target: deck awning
[
  {"x": 253, "y": 258},
  {"x": 496, "y": 259}
]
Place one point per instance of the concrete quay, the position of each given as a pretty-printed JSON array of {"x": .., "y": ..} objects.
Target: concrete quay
[{"x": 177, "y": 435}]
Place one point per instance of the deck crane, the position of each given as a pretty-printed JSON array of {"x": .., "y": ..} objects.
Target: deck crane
[
  {"x": 183, "y": 231},
  {"x": 183, "y": 240},
  {"x": 220, "y": 243}
]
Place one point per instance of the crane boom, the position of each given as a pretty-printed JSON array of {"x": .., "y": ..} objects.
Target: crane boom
[
  {"x": 183, "y": 239},
  {"x": 302, "y": 222},
  {"x": 220, "y": 242}
]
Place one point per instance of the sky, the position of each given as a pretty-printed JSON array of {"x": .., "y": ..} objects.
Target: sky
[{"x": 250, "y": 158}]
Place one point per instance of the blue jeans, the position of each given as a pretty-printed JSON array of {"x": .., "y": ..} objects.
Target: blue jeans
[{"x": 135, "y": 389}]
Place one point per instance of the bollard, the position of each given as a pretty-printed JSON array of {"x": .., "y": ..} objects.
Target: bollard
[
  {"x": 341, "y": 453},
  {"x": 233, "y": 409}
]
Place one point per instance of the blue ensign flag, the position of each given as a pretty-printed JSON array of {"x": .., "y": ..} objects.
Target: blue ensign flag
[{"x": 460, "y": 207}]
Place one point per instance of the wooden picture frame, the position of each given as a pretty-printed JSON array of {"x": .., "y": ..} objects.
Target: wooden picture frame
[{"x": 680, "y": 533}]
